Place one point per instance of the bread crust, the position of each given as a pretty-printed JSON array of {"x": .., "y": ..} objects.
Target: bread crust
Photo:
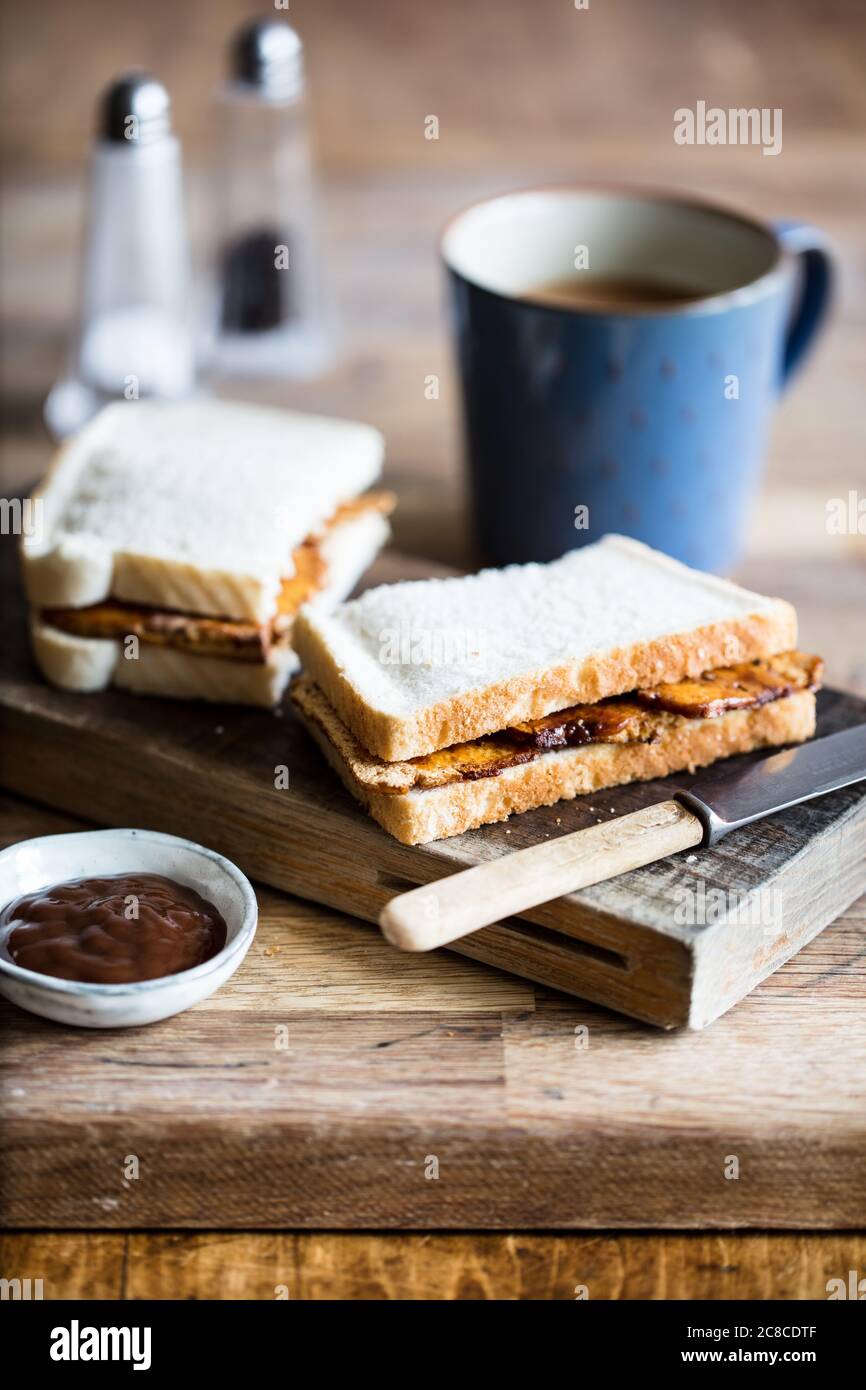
[
  {"x": 87, "y": 664},
  {"x": 470, "y": 714},
  {"x": 417, "y": 817},
  {"x": 68, "y": 569},
  {"x": 163, "y": 671},
  {"x": 71, "y": 662}
]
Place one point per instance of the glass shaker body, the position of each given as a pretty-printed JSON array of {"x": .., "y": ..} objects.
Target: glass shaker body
[
  {"x": 269, "y": 316},
  {"x": 135, "y": 314},
  {"x": 134, "y": 336}
]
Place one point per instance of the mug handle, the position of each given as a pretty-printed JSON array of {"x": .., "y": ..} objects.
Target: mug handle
[{"x": 811, "y": 246}]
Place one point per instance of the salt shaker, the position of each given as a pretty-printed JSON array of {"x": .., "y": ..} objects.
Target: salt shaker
[
  {"x": 135, "y": 332},
  {"x": 269, "y": 314}
]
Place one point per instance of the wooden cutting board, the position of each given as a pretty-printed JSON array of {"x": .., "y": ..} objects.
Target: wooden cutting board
[
  {"x": 333, "y": 1083},
  {"x": 208, "y": 772}
]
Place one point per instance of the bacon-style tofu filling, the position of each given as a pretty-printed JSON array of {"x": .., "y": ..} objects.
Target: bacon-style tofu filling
[
  {"x": 640, "y": 717},
  {"x": 221, "y": 637},
  {"x": 635, "y": 718}
]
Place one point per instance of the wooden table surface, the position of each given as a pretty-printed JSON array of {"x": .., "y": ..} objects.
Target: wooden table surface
[{"x": 526, "y": 91}]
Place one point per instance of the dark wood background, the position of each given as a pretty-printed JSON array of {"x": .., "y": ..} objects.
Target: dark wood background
[{"x": 525, "y": 91}]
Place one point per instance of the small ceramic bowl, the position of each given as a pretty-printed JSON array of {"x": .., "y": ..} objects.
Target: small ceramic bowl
[{"x": 34, "y": 864}]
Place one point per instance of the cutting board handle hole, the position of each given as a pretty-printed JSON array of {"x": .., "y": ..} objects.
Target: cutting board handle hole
[
  {"x": 562, "y": 941},
  {"x": 394, "y": 884}
]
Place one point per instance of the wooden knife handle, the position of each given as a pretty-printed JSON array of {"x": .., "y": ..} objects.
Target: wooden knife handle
[{"x": 440, "y": 912}]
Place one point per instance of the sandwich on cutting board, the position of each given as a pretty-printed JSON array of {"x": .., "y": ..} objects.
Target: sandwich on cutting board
[
  {"x": 448, "y": 704},
  {"x": 197, "y": 529}
]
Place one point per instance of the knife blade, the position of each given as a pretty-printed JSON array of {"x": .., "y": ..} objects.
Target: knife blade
[
  {"x": 452, "y": 907},
  {"x": 724, "y": 800}
]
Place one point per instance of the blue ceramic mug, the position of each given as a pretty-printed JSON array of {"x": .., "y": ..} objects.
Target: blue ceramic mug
[{"x": 647, "y": 418}]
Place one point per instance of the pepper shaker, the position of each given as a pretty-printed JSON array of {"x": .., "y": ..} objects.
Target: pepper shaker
[
  {"x": 268, "y": 313},
  {"x": 135, "y": 332}
]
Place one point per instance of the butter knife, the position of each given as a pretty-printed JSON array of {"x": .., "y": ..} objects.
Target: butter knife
[{"x": 718, "y": 803}]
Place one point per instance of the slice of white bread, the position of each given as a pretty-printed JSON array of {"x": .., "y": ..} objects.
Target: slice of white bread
[
  {"x": 195, "y": 506},
  {"x": 416, "y": 817},
  {"x": 88, "y": 664},
  {"x": 414, "y": 667}
]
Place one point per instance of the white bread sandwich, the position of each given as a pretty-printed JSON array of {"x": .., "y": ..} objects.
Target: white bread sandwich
[
  {"x": 176, "y": 542},
  {"x": 448, "y": 704}
]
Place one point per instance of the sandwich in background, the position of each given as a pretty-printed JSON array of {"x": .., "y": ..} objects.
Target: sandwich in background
[
  {"x": 176, "y": 543},
  {"x": 452, "y": 703}
]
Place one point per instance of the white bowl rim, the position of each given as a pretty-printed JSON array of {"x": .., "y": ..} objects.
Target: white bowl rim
[{"x": 196, "y": 972}]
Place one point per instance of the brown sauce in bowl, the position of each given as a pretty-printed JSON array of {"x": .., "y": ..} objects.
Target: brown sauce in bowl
[{"x": 112, "y": 930}]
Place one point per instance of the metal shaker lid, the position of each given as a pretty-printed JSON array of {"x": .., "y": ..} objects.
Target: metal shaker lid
[
  {"x": 135, "y": 109},
  {"x": 268, "y": 56}
]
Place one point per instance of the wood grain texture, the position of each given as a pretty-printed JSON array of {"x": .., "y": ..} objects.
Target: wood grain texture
[
  {"x": 317, "y": 1087},
  {"x": 415, "y": 60},
  {"x": 220, "y": 1265}
]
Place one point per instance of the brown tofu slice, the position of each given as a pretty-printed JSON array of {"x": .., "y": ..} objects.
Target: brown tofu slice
[{"x": 745, "y": 686}]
